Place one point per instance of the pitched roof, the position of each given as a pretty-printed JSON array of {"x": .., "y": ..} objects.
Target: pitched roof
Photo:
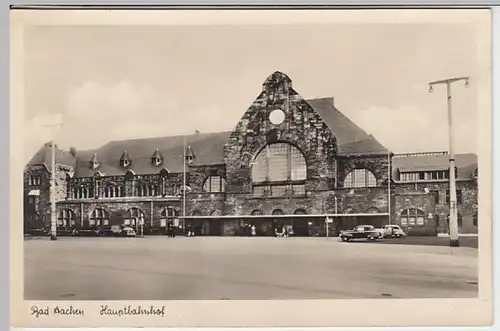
[
  {"x": 208, "y": 148},
  {"x": 465, "y": 163},
  {"x": 44, "y": 157},
  {"x": 351, "y": 139}
]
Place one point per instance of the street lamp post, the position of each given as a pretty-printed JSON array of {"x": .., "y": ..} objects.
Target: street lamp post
[
  {"x": 53, "y": 220},
  {"x": 454, "y": 242}
]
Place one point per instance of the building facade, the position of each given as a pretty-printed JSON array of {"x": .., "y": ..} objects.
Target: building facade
[{"x": 289, "y": 161}]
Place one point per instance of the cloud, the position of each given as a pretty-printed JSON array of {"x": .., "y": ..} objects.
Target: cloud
[
  {"x": 39, "y": 130},
  {"x": 98, "y": 113},
  {"x": 413, "y": 129}
]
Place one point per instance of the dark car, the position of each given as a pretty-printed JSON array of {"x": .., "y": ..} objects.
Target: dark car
[
  {"x": 360, "y": 232},
  {"x": 88, "y": 232}
]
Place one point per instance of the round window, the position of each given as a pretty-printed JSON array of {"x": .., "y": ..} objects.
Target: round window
[{"x": 277, "y": 116}]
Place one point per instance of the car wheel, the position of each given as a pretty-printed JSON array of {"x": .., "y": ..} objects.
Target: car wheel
[{"x": 344, "y": 239}]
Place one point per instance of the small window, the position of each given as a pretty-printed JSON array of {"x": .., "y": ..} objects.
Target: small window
[
  {"x": 436, "y": 197},
  {"x": 412, "y": 217},
  {"x": 34, "y": 180},
  {"x": 214, "y": 184}
]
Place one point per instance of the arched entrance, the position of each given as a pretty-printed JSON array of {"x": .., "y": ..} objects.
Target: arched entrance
[
  {"x": 278, "y": 222},
  {"x": 134, "y": 217},
  {"x": 99, "y": 217},
  {"x": 301, "y": 224},
  {"x": 66, "y": 218},
  {"x": 196, "y": 224},
  {"x": 169, "y": 218},
  {"x": 215, "y": 224}
]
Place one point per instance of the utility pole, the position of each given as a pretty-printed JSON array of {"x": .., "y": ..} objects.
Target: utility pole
[
  {"x": 389, "y": 185},
  {"x": 184, "y": 187},
  {"x": 454, "y": 241},
  {"x": 53, "y": 220}
]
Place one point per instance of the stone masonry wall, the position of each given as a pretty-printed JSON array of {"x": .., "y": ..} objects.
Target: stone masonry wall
[
  {"x": 117, "y": 209},
  {"x": 435, "y": 202},
  {"x": 377, "y": 164},
  {"x": 43, "y": 200},
  {"x": 302, "y": 127}
]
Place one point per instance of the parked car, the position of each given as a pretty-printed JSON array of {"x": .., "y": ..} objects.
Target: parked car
[
  {"x": 117, "y": 231},
  {"x": 126, "y": 232},
  {"x": 391, "y": 230},
  {"x": 88, "y": 232},
  {"x": 109, "y": 231},
  {"x": 360, "y": 232},
  {"x": 39, "y": 231}
]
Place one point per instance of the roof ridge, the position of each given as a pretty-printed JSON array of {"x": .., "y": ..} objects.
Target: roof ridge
[{"x": 163, "y": 137}]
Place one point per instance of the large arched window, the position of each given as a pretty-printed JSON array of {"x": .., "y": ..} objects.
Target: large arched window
[
  {"x": 134, "y": 216},
  {"x": 167, "y": 216},
  {"x": 99, "y": 217},
  {"x": 279, "y": 169},
  {"x": 412, "y": 217},
  {"x": 360, "y": 178},
  {"x": 66, "y": 217},
  {"x": 214, "y": 184}
]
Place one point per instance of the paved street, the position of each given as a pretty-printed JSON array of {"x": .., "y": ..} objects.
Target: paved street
[{"x": 161, "y": 268}]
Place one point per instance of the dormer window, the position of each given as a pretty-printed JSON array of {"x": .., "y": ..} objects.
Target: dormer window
[
  {"x": 156, "y": 158},
  {"x": 125, "y": 160},
  {"x": 190, "y": 157},
  {"x": 94, "y": 163}
]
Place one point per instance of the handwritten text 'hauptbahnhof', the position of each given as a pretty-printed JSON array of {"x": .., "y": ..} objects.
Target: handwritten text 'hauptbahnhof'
[{"x": 104, "y": 310}]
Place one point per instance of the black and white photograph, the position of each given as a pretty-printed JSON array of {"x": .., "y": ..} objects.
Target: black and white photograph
[{"x": 254, "y": 159}]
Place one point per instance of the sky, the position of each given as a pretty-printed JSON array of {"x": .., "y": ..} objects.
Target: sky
[{"x": 109, "y": 83}]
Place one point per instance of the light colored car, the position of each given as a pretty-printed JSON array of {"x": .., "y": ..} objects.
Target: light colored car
[
  {"x": 391, "y": 230},
  {"x": 128, "y": 232}
]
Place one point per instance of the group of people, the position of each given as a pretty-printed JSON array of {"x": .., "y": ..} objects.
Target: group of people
[
  {"x": 284, "y": 231},
  {"x": 171, "y": 230}
]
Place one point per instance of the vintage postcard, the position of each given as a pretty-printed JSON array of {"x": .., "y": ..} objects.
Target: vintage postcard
[{"x": 251, "y": 168}]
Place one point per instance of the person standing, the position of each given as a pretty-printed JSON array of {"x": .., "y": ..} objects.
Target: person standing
[{"x": 253, "y": 230}]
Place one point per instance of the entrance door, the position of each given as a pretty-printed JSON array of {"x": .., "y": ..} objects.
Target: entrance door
[
  {"x": 215, "y": 227},
  {"x": 301, "y": 227}
]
